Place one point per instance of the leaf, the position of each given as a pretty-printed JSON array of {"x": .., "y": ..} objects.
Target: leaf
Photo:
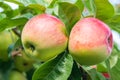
[
  {"x": 37, "y": 7},
  {"x": 69, "y": 14},
  {"x": 6, "y": 9},
  {"x": 89, "y": 7},
  {"x": 76, "y": 73},
  {"x": 28, "y": 2},
  {"x": 104, "y": 10},
  {"x": 5, "y": 66},
  {"x": 52, "y": 4},
  {"x": 114, "y": 72},
  {"x": 18, "y": 44},
  {"x": 9, "y": 23},
  {"x": 80, "y": 5},
  {"x": 15, "y": 2},
  {"x": 5, "y": 6},
  {"x": 102, "y": 67},
  {"x": 96, "y": 75},
  {"x": 2, "y": 16},
  {"x": 68, "y": 1},
  {"x": 1, "y": 0},
  {"x": 114, "y": 23},
  {"x": 55, "y": 69},
  {"x": 33, "y": 9},
  {"x": 27, "y": 15},
  {"x": 113, "y": 65}
]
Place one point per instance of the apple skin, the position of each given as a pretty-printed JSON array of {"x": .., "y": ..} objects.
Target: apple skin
[
  {"x": 5, "y": 41},
  {"x": 44, "y": 37},
  {"x": 22, "y": 62},
  {"x": 16, "y": 75},
  {"x": 90, "y": 41}
]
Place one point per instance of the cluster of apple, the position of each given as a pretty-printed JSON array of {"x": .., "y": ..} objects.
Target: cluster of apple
[
  {"x": 45, "y": 36},
  {"x": 20, "y": 62}
]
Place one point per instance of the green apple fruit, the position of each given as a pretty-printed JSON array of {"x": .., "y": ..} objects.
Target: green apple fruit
[
  {"x": 44, "y": 37},
  {"x": 16, "y": 75},
  {"x": 5, "y": 41},
  {"x": 22, "y": 62},
  {"x": 90, "y": 41}
]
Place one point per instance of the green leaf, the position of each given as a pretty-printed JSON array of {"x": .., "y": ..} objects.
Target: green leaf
[
  {"x": 80, "y": 5},
  {"x": 76, "y": 73},
  {"x": 69, "y": 14},
  {"x": 5, "y": 6},
  {"x": 52, "y": 4},
  {"x": 102, "y": 67},
  {"x": 114, "y": 72},
  {"x": 5, "y": 66},
  {"x": 113, "y": 64},
  {"x": 104, "y": 10},
  {"x": 2, "y": 16},
  {"x": 27, "y": 15},
  {"x": 28, "y": 2},
  {"x": 89, "y": 7},
  {"x": 114, "y": 23},
  {"x": 33, "y": 9},
  {"x": 9, "y": 23},
  {"x": 1, "y": 0},
  {"x": 68, "y": 1},
  {"x": 37, "y": 7},
  {"x": 96, "y": 75},
  {"x": 55, "y": 69},
  {"x": 6, "y": 9},
  {"x": 15, "y": 2},
  {"x": 18, "y": 44}
]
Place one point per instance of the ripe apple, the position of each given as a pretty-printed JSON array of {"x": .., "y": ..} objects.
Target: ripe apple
[
  {"x": 5, "y": 41},
  {"x": 22, "y": 62},
  {"x": 16, "y": 75},
  {"x": 44, "y": 37},
  {"x": 90, "y": 41}
]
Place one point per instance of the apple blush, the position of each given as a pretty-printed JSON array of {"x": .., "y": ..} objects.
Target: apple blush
[
  {"x": 44, "y": 37},
  {"x": 90, "y": 41}
]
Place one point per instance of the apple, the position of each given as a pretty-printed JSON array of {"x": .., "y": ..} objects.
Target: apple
[
  {"x": 5, "y": 41},
  {"x": 44, "y": 37},
  {"x": 22, "y": 62},
  {"x": 90, "y": 41},
  {"x": 16, "y": 75}
]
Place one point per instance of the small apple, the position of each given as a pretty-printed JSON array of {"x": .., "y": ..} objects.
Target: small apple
[
  {"x": 5, "y": 41},
  {"x": 22, "y": 62},
  {"x": 90, "y": 41},
  {"x": 44, "y": 37},
  {"x": 16, "y": 75}
]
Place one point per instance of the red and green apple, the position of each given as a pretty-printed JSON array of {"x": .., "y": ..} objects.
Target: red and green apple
[{"x": 90, "y": 41}]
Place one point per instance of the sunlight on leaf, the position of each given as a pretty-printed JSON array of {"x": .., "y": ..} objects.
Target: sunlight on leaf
[{"x": 56, "y": 69}]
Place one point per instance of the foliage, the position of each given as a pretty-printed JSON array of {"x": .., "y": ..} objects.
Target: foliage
[{"x": 63, "y": 67}]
